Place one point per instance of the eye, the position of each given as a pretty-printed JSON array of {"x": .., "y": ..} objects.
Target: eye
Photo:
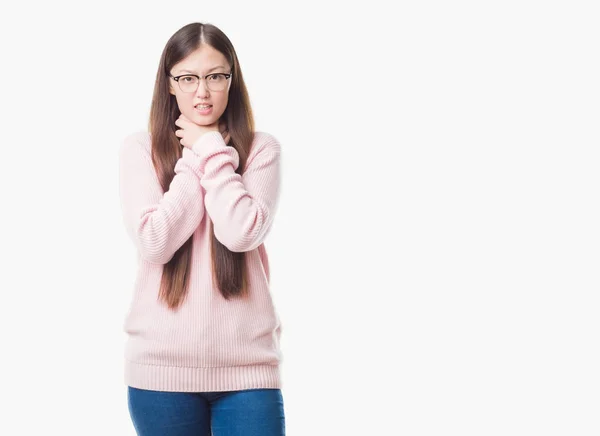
[
  {"x": 187, "y": 79},
  {"x": 216, "y": 77}
]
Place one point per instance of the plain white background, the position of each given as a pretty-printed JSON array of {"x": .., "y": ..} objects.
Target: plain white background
[{"x": 435, "y": 252}]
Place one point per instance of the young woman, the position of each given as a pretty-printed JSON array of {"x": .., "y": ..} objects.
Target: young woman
[{"x": 198, "y": 194}]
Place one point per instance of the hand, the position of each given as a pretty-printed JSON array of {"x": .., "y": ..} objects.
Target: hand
[{"x": 190, "y": 131}]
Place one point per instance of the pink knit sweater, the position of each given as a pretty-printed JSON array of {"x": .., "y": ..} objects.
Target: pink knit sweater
[{"x": 209, "y": 344}]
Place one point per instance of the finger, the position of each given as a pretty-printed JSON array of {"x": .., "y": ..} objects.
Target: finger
[{"x": 227, "y": 138}]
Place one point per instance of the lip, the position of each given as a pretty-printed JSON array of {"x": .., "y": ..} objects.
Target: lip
[{"x": 207, "y": 111}]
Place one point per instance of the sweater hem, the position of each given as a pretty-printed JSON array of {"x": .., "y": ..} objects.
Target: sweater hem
[{"x": 193, "y": 379}]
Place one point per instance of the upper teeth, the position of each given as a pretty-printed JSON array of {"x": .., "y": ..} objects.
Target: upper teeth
[{"x": 203, "y": 106}]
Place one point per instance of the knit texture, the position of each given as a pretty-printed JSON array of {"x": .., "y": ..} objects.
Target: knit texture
[{"x": 209, "y": 343}]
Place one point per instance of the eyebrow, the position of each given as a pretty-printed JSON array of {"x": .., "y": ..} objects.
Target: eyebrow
[{"x": 194, "y": 72}]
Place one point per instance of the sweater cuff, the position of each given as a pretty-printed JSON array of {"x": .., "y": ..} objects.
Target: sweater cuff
[
  {"x": 211, "y": 147},
  {"x": 191, "y": 159}
]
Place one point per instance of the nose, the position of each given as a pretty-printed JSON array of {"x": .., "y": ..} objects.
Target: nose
[{"x": 202, "y": 88}]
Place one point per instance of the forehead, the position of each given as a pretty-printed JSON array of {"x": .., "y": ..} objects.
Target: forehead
[{"x": 202, "y": 60}]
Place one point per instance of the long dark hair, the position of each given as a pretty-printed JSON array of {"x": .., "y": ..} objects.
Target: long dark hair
[{"x": 228, "y": 268}]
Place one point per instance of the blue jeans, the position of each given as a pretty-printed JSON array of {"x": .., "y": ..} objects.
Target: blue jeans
[{"x": 248, "y": 412}]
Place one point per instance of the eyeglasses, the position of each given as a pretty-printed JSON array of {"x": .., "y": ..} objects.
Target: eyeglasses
[{"x": 189, "y": 82}]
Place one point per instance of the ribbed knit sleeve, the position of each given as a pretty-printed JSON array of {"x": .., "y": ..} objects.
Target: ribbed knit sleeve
[
  {"x": 241, "y": 208},
  {"x": 158, "y": 223}
]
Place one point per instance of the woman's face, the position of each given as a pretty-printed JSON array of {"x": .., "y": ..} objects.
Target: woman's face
[{"x": 205, "y": 60}]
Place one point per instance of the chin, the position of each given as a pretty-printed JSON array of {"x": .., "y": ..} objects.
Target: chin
[{"x": 203, "y": 122}]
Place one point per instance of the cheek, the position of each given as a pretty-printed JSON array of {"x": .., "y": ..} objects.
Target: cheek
[
  {"x": 222, "y": 104},
  {"x": 185, "y": 104}
]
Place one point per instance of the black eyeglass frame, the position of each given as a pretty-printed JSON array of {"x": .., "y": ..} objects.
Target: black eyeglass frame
[{"x": 176, "y": 78}]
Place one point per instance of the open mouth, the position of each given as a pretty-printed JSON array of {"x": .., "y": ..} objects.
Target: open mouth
[{"x": 203, "y": 109}]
